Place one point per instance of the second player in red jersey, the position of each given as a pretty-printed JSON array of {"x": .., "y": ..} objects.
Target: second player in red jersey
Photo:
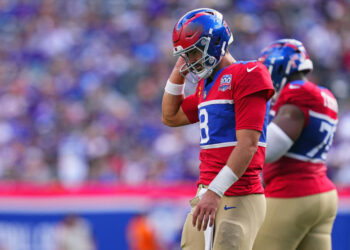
[
  {"x": 301, "y": 199},
  {"x": 301, "y": 170}
]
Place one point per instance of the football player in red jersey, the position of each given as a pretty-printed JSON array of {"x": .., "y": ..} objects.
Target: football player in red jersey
[
  {"x": 301, "y": 199},
  {"x": 230, "y": 104}
]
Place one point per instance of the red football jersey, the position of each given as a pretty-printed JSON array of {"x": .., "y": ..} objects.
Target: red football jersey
[
  {"x": 302, "y": 170},
  {"x": 213, "y": 105}
]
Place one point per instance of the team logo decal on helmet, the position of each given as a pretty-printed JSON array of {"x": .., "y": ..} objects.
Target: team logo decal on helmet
[
  {"x": 204, "y": 31},
  {"x": 283, "y": 58}
]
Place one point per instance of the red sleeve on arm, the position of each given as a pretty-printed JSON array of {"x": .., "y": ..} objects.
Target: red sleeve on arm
[
  {"x": 250, "y": 111},
  {"x": 298, "y": 97},
  {"x": 190, "y": 108},
  {"x": 255, "y": 80}
]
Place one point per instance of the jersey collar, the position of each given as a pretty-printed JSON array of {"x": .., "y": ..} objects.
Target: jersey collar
[{"x": 208, "y": 85}]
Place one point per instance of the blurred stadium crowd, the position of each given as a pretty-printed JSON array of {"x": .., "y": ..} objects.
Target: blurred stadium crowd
[{"x": 81, "y": 83}]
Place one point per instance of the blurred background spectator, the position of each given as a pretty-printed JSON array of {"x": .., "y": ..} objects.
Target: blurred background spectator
[
  {"x": 81, "y": 83},
  {"x": 74, "y": 233}
]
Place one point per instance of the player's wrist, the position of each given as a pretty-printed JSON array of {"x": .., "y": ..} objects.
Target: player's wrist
[
  {"x": 223, "y": 181},
  {"x": 174, "y": 88}
]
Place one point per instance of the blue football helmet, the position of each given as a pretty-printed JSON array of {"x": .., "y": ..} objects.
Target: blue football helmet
[
  {"x": 283, "y": 58},
  {"x": 204, "y": 30}
]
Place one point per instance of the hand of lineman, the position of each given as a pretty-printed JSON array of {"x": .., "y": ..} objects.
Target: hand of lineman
[{"x": 205, "y": 210}]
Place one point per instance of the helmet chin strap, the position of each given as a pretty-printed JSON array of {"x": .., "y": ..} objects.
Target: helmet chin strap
[
  {"x": 205, "y": 73},
  {"x": 208, "y": 70}
]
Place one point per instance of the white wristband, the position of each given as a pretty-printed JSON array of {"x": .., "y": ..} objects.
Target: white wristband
[
  {"x": 174, "y": 89},
  {"x": 225, "y": 179}
]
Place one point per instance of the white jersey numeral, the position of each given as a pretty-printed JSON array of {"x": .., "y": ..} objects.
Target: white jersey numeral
[
  {"x": 203, "y": 125},
  {"x": 326, "y": 142}
]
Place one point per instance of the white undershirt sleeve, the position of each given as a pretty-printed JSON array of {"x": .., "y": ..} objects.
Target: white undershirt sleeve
[{"x": 278, "y": 143}]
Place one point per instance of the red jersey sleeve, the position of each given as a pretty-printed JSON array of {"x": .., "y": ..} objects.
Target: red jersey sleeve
[
  {"x": 190, "y": 107},
  {"x": 245, "y": 118},
  {"x": 254, "y": 77},
  {"x": 295, "y": 95}
]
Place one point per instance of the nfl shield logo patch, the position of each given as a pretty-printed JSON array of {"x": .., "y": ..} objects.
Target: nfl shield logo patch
[{"x": 225, "y": 82}]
